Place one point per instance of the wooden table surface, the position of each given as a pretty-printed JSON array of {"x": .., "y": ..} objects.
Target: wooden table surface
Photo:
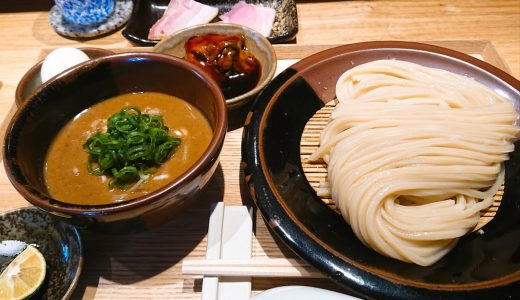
[{"x": 112, "y": 271}]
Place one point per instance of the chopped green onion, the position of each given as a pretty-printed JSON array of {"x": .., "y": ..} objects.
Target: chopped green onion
[{"x": 134, "y": 145}]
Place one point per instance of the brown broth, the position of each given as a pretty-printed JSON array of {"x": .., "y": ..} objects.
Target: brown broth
[{"x": 66, "y": 173}]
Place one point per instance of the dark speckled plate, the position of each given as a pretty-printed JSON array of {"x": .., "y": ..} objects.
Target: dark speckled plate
[
  {"x": 147, "y": 12},
  {"x": 482, "y": 266},
  {"x": 59, "y": 243}
]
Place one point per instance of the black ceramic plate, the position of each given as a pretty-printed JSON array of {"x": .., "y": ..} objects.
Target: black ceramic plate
[
  {"x": 482, "y": 266},
  {"x": 147, "y": 12}
]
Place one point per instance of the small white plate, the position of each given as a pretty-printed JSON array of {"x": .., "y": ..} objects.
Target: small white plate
[{"x": 295, "y": 292}]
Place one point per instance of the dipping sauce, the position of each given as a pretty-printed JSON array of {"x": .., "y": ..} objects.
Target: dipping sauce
[
  {"x": 227, "y": 60},
  {"x": 66, "y": 173}
]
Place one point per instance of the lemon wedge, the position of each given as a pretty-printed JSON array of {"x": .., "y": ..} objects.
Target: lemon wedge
[{"x": 23, "y": 276}]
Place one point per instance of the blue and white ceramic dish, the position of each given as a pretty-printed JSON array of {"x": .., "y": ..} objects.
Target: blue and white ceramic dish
[
  {"x": 86, "y": 12},
  {"x": 90, "y": 26}
]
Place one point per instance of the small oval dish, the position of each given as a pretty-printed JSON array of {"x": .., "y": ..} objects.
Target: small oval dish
[
  {"x": 483, "y": 265},
  {"x": 31, "y": 80},
  {"x": 255, "y": 42},
  {"x": 59, "y": 242}
]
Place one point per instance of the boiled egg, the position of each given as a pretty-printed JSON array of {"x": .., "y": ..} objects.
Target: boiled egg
[{"x": 60, "y": 60}]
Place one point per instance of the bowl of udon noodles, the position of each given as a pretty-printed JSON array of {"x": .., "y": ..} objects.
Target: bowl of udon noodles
[
  {"x": 118, "y": 144},
  {"x": 391, "y": 167}
]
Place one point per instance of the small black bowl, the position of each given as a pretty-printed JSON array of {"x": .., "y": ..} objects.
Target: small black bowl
[{"x": 481, "y": 266}]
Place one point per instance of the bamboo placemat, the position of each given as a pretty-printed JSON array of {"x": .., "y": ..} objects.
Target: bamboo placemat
[
  {"x": 148, "y": 265},
  {"x": 316, "y": 172}
]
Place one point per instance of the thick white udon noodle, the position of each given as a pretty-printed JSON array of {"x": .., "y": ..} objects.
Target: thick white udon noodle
[{"x": 414, "y": 154}]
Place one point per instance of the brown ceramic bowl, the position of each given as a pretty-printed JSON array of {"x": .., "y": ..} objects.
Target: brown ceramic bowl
[
  {"x": 31, "y": 80},
  {"x": 40, "y": 118},
  {"x": 255, "y": 42}
]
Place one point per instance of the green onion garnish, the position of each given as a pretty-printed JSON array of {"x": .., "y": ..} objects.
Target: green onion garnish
[{"x": 134, "y": 145}]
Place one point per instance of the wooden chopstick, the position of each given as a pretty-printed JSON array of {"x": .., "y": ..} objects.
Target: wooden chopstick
[{"x": 257, "y": 267}]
